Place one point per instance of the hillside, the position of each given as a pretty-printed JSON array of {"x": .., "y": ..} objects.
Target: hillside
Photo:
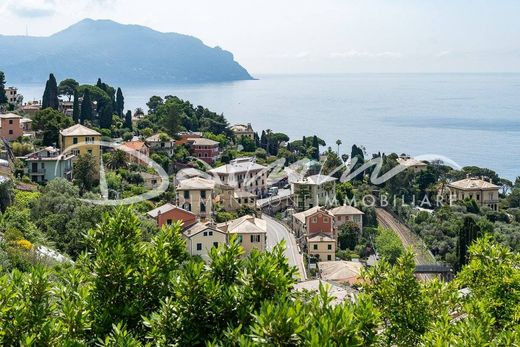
[{"x": 119, "y": 53}]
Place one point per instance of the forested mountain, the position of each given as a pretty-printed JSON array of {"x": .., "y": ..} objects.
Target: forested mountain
[{"x": 120, "y": 53}]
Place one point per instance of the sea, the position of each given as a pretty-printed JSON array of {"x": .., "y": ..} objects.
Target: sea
[{"x": 463, "y": 119}]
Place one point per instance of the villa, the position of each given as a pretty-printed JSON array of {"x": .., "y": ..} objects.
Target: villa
[
  {"x": 133, "y": 149},
  {"x": 485, "y": 193},
  {"x": 83, "y": 141},
  {"x": 204, "y": 149},
  {"x": 412, "y": 164},
  {"x": 243, "y": 174},
  {"x": 47, "y": 164},
  {"x": 243, "y": 130}
]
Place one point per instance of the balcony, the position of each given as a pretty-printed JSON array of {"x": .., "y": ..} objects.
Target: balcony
[{"x": 36, "y": 172}]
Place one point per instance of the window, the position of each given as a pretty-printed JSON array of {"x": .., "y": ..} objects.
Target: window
[
  {"x": 202, "y": 207},
  {"x": 325, "y": 219},
  {"x": 239, "y": 238},
  {"x": 210, "y": 233},
  {"x": 215, "y": 244},
  {"x": 75, "y": 151},
  {"x": 203, "y": 194},
  {"x": 199, "y": 246},
  {"x": 10, "y": 121},
  {"x": 314, "y": 220},
  {"x": 186, "y": 194},
  {"x": 329, "y": 247},
  {"x": 205, "y": 233},
  {"x": 89, "y": 151},
  {"x": 329, "y": 257},
  {"x": 169, "y": 222},
  {"x": 255, "y": 238},
  {"x": 315, "y": 247},
  {"x": 10, "y": 131},
  {"x": 478, "y": 197},
  {"x": 74, "y": 140}
]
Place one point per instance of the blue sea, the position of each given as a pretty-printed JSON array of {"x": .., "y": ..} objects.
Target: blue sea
[{"x": 472, "y": 119}]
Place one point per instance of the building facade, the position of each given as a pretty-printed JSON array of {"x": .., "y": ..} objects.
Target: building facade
[
  {"x": 47, "y": 164},
  {"x": 80, "y": 140},
  {"x": 168, "y": 214},
  {"x": 161, "y": 143},
  {"x": 316, "y": 190},
  {"x": 484, "y": 192},
  {"x": 196, "y": 195},
  {"x": 322, "y": 247},
  {"x": 250, "y": 231},
  {"x": 243, "y": 130},
  {"x": 243, "y": 174},
  {"x": 202, "y": 237},
  {"x": 11, "y": 127},
  {"x": 344, "y": 214},
  {"x": 204, "y": 149}
]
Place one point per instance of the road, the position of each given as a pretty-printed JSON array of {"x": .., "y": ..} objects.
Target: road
[
  {"x": 422, "y": 255},
  {"x": 277, "y": 232}
]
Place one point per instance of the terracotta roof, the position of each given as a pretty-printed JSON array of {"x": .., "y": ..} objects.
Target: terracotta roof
[
  {"x": 9, "y": 116},
  {"x": 199, "y": 227},
  {"x": 472, "y": 184},
  {"x": 201, "y": 141},
  {"x": 301, "y": 216},
  {"x": 166, "y": 208},
  {"x": 321, "y": 237},
  {"x": 195, "y": 183},
  {"x": 345, "y": 210},
  {"x": 79, "y": 130},
  {"x": 244, "y": 225},
  {"x": 135, "y": 145},
  {"x": 239, "y": 165}
]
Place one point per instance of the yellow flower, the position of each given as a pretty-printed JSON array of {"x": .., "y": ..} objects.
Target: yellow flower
[{"x": 24, "y": 244}]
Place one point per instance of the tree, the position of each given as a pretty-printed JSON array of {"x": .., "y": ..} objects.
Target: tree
[
  {"x": 316, "y": 146},
  {"x": 68, "y": 87},
  {"x": 154, "y": 102},
  {"x": 50, "y": 94},
  {"x": 170, "y": 114},
  {"x": 128, "y": 120},
  {"x": 106, "y": 115},
  {"x": 3, "y": 96},
  {"x": 338, "y": 142},
  {"x": 84, "y": 172},
  {"x": 469, "y": 232},
  {"x": 120, "y": 102},
  {"x": 388, "y": 245},
  {"x": 50, "y": 122},
  {"x": 76, "y": 113},
  {"x": 349, "y": 236},
  {"x": 86, "y": 107},
  {"x": 117, "y": 159},
  {"x": 263, "y": 140}
]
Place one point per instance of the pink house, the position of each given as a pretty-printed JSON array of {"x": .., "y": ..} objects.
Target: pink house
[
  {"x": 10, "y": 126},
  {"x": 204, "y": 149}
]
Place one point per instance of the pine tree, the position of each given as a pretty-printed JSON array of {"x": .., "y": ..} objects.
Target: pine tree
[
  {"x": 105, "y": 117},
  {"x": 120, "y": 102},
  {"x": 50, "y": 95},
  {"x": 86, "y": 108},
  {"x": 128, "y": 120},
  {"x": 75, "y": 108},
  {"x": 3, "y": 96}
]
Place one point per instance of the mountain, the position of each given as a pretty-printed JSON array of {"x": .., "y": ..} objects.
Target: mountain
[{"x": 117, "y": 53}]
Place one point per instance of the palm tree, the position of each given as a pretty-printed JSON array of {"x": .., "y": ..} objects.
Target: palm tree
[
  {"x": 117, "y": 159},
  {"x": 338, "y": 142}
]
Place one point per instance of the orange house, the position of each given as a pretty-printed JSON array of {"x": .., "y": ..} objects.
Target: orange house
[
  {"x": 10, "y": 126},
  {"x": 133, "y": 147},
  {"x": 169, "y": 214}
]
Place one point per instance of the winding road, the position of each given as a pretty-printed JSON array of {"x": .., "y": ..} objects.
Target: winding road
[{"x": 277, "y": 232}]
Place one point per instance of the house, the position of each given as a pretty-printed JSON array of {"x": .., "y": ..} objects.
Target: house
[
  {"x": 485, "y": 193},
  {"x": 202, "y": 237},
  {"x": 136, "y": 151},
  {"x": 13, "y": 98},
  {"x": 161, "y": 143},
  {"x": 169, "y": 214},
  {"x": 183, "y": 137},
  {"x": 196, "y": 195},
  {"x": 251, "y": 232},
  {"x": 344, "y": 214},
  {"x": 412, "y": 164},
  {"x": 311, "y": 222},
  {"x": 80, "y": 140},
  {"x": 321, "y": 246},
  {"x": 47, "y": 164},
  {"x": 242, "y": 130},
  {"x": 204, "y": 149},
  {"x": 26, "y": 124},
  {"x": 10, "y": 126},
  {"x": 150, "y": 181},
  {"x": 342, "y": 272},
  {"x": 66, "y": 107},
  {"x": 316, "y": 190},
  {"x": 232, "y": 199},
  {"x": 31, "y": 107},
  {"x": 243, "y": 174}
]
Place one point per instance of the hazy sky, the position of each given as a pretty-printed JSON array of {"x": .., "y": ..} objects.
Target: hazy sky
[{"x": 299, "y": 36}]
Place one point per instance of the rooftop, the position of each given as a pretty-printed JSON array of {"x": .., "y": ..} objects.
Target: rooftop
[
  {"x": 195, "y": 183},
  {"x": 244, "y": 225},
  {"x": 239, "y": 165},
  {"x": 198, "y": 227},
  {"x": 157, "y": 138},
  {"x": 321, "y": 237},
  {"x": 9, "y": 116},
  {"x": 201, "y": 141},
  {"x": 345, "y": 210},
  {"x": 339, "y": 293},
  {"x": 135, "y": 145},
  {"x": 241, "y": 128},
  {"x": 316, "y": 179},
  {"x": 79, "y": 130},
  {"x": 472, "y": 184},
  {"x": 340, "y": 271},
  {"x": 166, "y": 208},
  {"x": 301, "y": 216}
]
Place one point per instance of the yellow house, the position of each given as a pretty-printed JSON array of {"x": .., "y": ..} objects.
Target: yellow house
[
  {"x": 251, "y": 232},
  {"x": 196, "y": 195},
  {"x": 83, "y": 140},
  {"x": 322, "y": 246},
  {"x": 485, "y": 193},
  {"x": 201, "y": 238}
]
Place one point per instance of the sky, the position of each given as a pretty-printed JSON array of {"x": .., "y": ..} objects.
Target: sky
[{"x": 310, "y": 36}]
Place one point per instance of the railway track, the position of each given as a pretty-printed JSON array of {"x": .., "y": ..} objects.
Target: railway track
[{"x": 422, "y": 255}]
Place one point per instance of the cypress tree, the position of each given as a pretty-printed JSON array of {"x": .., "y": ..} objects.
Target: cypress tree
[
  {"x": 50, "y": 95},
  {"x": 257, "y": 140},
  {"x": 304, "y": 142},
  {"x": 128, "y": 120},
  {"x": 3, "y": 96},
  {"x": 316, "y": 145},
  {"x": 75, "y": 108},
  {"x": 86, "y": 107},
  {"x": 469, "y": 232},
  {"x": 263, "y": 140},
  {"x": 105, "y": 118},
  {"x": 120, "y": 102}
]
